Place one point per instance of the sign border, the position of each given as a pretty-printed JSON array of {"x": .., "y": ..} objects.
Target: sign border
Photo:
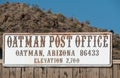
[{"x": 58, "y": 65}]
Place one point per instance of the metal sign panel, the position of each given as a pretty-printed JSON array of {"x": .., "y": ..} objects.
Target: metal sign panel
[{"x": 90, "y": 49}]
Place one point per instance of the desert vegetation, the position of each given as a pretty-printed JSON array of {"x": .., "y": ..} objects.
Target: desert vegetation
[{"x": 20, "y": 18}]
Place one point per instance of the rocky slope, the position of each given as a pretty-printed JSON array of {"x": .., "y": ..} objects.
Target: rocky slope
[{"x": 17, "y": 17}]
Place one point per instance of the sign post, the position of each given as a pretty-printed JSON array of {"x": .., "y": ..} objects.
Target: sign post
[{"x": 90, "y": 49}]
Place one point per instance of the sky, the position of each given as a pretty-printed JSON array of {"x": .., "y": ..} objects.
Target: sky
[{"x": 103, "y": 14}]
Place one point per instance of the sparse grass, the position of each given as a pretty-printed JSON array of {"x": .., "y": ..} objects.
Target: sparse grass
[{"x": 22, "y": 18}]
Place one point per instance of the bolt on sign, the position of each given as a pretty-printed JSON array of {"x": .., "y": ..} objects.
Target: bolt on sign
[{"x": 84, "y": 49}]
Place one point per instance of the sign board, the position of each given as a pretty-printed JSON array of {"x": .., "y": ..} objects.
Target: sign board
[{"x": 90, "y": 49}]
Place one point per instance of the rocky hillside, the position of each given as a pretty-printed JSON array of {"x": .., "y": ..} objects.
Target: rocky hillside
[{"x": 17, "y": 17}]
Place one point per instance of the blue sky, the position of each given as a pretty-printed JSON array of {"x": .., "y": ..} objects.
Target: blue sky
[{"x": 101, "y": 13}]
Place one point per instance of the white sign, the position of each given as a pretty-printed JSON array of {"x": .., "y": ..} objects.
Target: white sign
[{"x": 57, "y": 49}]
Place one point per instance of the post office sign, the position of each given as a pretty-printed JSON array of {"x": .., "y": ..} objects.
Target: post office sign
[{"x": 86, "y": 49}]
